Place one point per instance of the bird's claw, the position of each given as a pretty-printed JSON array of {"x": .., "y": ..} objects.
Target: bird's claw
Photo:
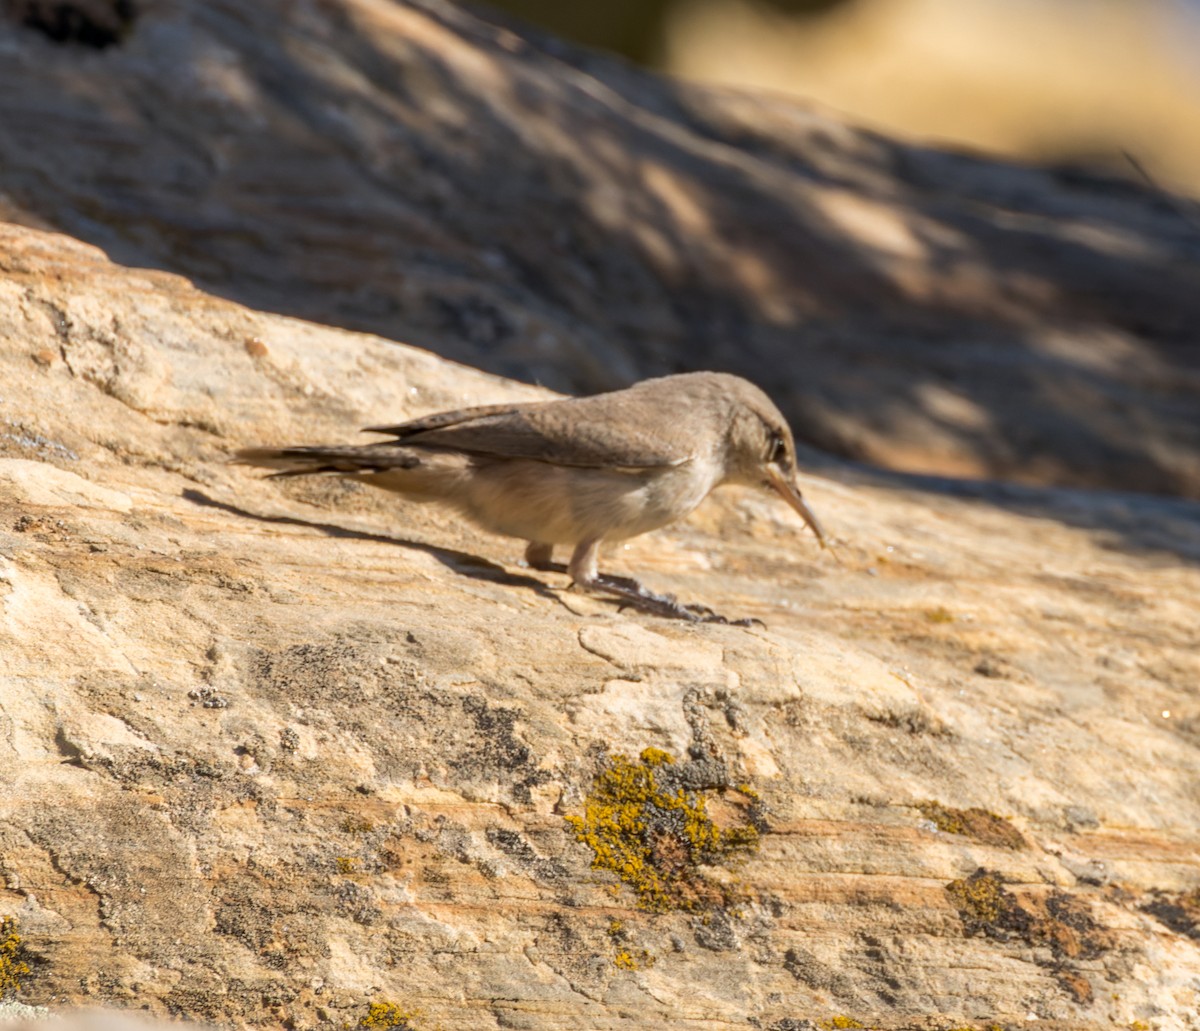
[{"x": 634, "y": 595}]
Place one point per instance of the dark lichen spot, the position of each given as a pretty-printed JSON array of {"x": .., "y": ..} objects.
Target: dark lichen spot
[
  {"x": 497, "y": 733},
  {"x": 282, "y": 928},
  {"x": 1180, "y": 911},
  {"x": 915, "y": 721},
  {"x": 714, "y": 931},
  {"x": 1058, "y": 921},
  {"x": 522, "y": 853},
  {"x": 500, "y": 748},
  {"x": 358, "y": 903},
  {"x": 809, "y": 970},
  {"x": 978, "y": 824}
]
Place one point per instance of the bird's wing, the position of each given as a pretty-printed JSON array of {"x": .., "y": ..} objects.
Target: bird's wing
[
  {"x": 573, "y": 432},
  {"x": 439, "y": 420}
]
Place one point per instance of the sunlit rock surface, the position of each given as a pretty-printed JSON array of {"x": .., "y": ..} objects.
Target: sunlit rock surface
[{"x": 274, "y": 751}]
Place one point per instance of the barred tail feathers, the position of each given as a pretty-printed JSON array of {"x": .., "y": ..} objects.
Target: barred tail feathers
[{"x": 304, "y": 461}]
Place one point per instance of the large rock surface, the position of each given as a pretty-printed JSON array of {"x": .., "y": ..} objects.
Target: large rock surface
[
  {"x": 407, "y": 169},
  {"x": 273, "y": 750}
]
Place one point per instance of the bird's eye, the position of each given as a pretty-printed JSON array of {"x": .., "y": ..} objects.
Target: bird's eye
[{"x": 775, "y": 448}]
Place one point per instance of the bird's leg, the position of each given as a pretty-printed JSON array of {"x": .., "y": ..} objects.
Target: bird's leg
[
  {"x": 585, "y": 575},
  {"x": 539, "y": 555}
]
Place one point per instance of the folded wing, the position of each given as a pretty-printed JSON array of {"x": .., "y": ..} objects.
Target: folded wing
[{"x": 574, "y": 432}]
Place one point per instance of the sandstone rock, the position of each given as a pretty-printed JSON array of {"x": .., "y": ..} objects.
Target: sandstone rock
[{"x": 271, "y": 751}]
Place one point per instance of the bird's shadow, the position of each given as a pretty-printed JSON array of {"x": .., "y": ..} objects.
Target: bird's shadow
[{"x": 460, "y": 562}]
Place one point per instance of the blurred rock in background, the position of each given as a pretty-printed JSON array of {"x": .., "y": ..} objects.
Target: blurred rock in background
[
  {"x": 554, "y": 215},
  {"x": 1047, "y": 80}
]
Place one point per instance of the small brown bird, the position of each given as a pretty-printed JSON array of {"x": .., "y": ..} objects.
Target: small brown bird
[{"x": 580, "y": 471}]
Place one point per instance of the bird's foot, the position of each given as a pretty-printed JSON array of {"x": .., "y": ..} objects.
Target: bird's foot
[
  {"x": 541, "y": 557},
  {"x": 634, "y": 595}
]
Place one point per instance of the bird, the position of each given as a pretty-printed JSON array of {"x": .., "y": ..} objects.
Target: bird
[{"x": 579, "y": 471}]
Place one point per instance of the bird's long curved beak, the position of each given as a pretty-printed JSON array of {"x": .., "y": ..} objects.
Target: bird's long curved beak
[{"x": 790, "y": 493}]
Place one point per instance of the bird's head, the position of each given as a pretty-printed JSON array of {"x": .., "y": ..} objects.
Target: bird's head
[{"x": 761, "y": 452}]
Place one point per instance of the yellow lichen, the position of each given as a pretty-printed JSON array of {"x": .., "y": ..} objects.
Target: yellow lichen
[
  {"x": 1056, "y": 920},
  {"x": 657, "y": 757},
  {"x": 356, "y": 824},
  {"x": 941, "y": 614},
  {"x": 644, "y": 826},
  {"x": 347, "y": 864},
  {"x": 749, "y": 792},
  {"x": 12, "y": 958},
  {"x": 624, "y": 961},
  {"x": 980, "y": 897},
  {"x": 383, "y": 1015},
  {"x": 839, "y": 1022}
]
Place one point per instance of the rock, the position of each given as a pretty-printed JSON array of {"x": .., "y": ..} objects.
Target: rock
[
  {"x": 511, "y": 202},
  {"x": 375, "y": 811}
]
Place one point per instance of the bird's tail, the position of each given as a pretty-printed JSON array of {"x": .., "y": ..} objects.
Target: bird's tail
[{"x": 305, "y": 461}]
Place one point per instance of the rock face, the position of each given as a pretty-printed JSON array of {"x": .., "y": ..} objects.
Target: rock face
[
  {"x": 407, "y": 169},
  {"x": 273, "y": 751}
]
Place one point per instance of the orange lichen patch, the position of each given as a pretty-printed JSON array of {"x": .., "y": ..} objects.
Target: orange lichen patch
[
  {"x": 644, "y": 824},
  {"x": 1075, "y": 985},
  {"x": 983, "y": 826}
]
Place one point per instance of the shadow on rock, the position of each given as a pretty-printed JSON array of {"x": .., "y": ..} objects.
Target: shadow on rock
[{"x": 460, "y": 562}]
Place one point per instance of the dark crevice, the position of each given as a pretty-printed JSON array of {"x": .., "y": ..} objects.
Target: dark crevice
[{"x": 98, "y": 24}]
